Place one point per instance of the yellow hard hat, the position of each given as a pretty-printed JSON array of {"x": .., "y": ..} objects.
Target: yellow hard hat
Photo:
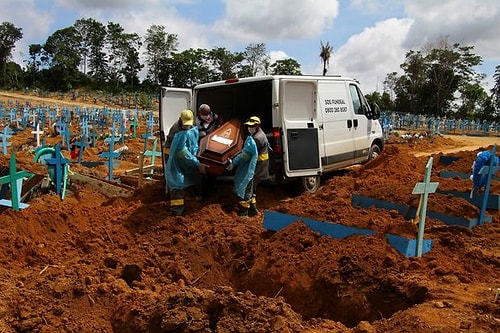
[
  {"x": 187, "y": 117},
  {"x": 252, "y": 121}
]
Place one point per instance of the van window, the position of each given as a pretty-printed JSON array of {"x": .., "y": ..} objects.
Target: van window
[
  {"x": 299, "y": 100},
  {"x": 356, "y": 99}
]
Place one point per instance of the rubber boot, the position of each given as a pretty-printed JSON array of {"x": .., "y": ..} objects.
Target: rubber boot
[
  {"x": 177, "y": 202},
  {"x": 243, "y": 212},
  {"x": 243, "y": 207},
  {"x": 253, "y": 211}
]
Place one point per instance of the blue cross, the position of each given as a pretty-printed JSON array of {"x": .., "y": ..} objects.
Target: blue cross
[
  {"x": 65, "y": 133},
  {"x": 4, "y": 136},
  {"x": 424, "y": 188},
  {"x": 81, "y": 144},
  {"x": 59, "y": 162},
  {"x": 153, "y": 152},
  {"x": 15, "y": 180}
]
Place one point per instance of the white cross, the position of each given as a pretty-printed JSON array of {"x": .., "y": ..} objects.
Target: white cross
[{"x": 37, "y": 133}]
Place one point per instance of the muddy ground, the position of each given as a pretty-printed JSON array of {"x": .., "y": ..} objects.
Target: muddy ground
[{"x": 98, "y": 262}]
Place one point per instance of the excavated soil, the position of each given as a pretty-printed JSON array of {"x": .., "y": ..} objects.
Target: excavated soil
[{"x": 95, "y": 262}]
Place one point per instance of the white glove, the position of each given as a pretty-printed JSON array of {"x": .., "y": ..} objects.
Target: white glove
[{"x": 202, "y": 168}]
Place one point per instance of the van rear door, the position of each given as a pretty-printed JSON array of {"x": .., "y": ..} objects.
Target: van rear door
[
  {"x": 172, "y": 102},
  {"x": 300, "y": 127}
]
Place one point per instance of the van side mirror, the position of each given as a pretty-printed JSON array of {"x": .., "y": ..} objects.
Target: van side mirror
[{"x": 375, "y": 112}]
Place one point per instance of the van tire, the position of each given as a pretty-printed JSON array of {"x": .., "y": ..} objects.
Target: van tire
[
  {"x": 309, "y": 184},
  {"x": 374, "y": 152}
]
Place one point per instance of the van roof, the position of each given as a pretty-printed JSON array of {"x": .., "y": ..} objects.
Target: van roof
[{"x": 274, "y": 77}]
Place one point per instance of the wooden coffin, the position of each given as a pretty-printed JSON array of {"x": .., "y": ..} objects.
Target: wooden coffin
[{"x": 219, "y": 146}]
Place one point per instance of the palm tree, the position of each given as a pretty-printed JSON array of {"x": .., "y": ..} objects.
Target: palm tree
[{"x": 326, "y": 52}]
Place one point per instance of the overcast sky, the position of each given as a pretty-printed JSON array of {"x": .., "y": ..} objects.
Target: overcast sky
[{"x": 369, "y": 38}]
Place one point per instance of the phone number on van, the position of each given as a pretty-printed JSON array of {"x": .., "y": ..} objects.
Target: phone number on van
[{"x": 333, "y": 109}]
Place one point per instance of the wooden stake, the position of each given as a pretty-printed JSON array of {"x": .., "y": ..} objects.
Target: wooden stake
[
  {"x": 279, "y": 292},
  {"x": 417, "y": 213},
  {"x": 109, "y": 236},
  {"x": 141, "y": 171},
  {"x": 195, "y": 282},
  {"x": 45, "y": 268}
]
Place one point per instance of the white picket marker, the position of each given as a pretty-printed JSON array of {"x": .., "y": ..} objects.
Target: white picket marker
[{"x": 37, "y": 133}]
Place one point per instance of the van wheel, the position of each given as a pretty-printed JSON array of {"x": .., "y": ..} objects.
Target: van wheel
[
  {"x": 310, "y": 184},
  {"x": 374, "y": 152}
]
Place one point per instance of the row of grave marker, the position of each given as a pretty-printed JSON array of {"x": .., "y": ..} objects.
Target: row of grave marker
[
  {"x": 409, "y": 247},
  {"x": 58, "y": 169},
  {"x": 403, "y": 121},
  {"x": 87, "y": 133},
  {"x": 60, "y": 165},
  {"x": 98, "y": 119}
]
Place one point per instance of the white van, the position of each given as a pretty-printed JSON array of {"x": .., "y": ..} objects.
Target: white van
[{"x": 315, "y": 124}]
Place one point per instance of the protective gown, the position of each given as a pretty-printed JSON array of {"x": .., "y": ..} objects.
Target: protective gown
[
  {"x": 483, "y": 158},
  {"x": 183, "y": 169},
  {"x": 245, "y": 162}
]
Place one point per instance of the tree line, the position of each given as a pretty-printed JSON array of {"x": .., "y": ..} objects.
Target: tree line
[
  {"x": 439, "y": 79},
  {"x": 91, "y": 55}
]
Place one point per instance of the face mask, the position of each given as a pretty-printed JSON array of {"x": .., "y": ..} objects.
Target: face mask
[{"x": 252, "y": 130}]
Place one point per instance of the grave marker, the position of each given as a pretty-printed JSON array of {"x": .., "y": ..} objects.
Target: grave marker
[
  {"x": 153, "y": 152},
  {"x": 59, "y": 164},
  {"x": 423, "y": 188},
  {"x": 15, "y": 179},
  {"x": 111, "y": 154},
  {"x": 5, "y": 136},
  {"x": 37, "y": 132},
  {"x": 489, "y": 171},
  {"x": 66, "y": 134}
]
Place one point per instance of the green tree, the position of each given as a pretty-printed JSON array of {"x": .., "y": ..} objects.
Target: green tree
[
  {"x": 325, "y": 54},
  {"x": 15, "y": 76},
  {"x": 224, "y": 64},
  {"x": 187, "y": 69},
  {"x": 373, "y": 97},
  {"x": 133, "y": 65},
  {"x": 287, "y": 66},
  {"x": 93, "y": 39},
  {"x": 35, "y": 52},
  {"x": 256, "y": 57},
  {"x": 160, "y": 46},
  {"x": 409, "y": 86},
  {"x": 495, "y": 91},
  {"x": 433, "y": 77},
  {"x": 245, "y": 71},
  {"x": 475, "y": 103},
  {"x": 382, "y": 100},
  {"x": 390, "y": 83},
  {"x": 450, "y": 68},
  {"x": 9, "y": 35},
  {"x": 123, "y": 50},
  {"x": 62, "y": 50},
  {"x": 386, "y": 102}
]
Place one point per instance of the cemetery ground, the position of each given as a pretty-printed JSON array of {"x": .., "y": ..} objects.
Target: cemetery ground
[{"x": 101, "y": 260}]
